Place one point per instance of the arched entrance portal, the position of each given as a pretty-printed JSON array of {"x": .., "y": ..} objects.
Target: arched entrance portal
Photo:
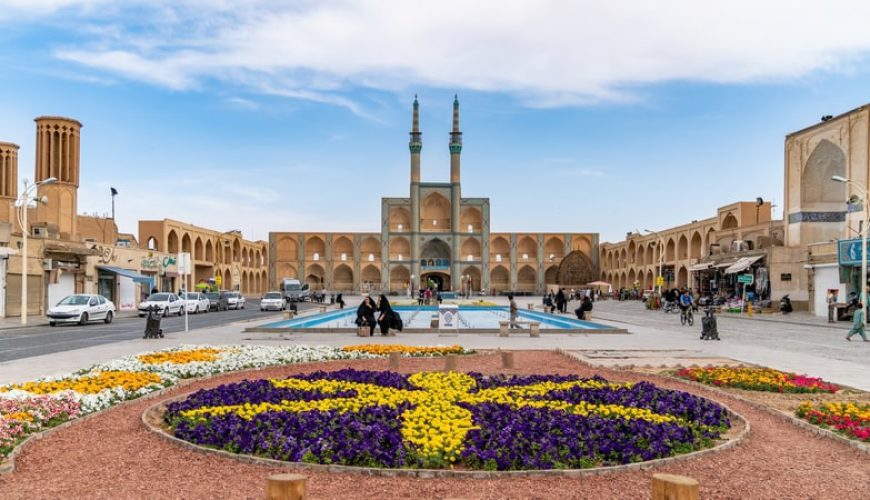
[{"x": 441, "y": 280}]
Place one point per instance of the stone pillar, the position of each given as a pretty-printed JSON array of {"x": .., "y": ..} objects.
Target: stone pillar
[
  {"x": 329, "y": 262},
  {"x": 540, "y": 285},
  {"x": 484, "y": 243},
  {"x": 357, "y": 268},
  {"x": 513, "y": 261}
]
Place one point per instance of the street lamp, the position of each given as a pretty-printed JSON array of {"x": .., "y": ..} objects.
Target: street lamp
[
  {"x": 660, "y": 244},
  {"x": 24, "y": 201},
  {"x": 862, "y": 191}
]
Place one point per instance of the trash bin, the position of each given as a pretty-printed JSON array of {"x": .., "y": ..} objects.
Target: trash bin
[
  {"x": 152, "y": 323},
  {"x": 709, "y": 329}
]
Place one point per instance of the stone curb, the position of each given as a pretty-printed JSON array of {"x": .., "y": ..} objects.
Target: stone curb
[{"x": 440, "y": 473}]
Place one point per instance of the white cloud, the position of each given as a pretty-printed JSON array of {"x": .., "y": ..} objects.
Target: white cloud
[{"x": 548, "y": 52}]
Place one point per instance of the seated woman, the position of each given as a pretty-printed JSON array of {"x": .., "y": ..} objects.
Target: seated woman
[
  {"x": 365, "y": 315},
  {"x": 385, "y": 318}
]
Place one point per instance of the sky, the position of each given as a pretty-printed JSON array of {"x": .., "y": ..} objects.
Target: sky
[{"x": 577, "y": 116}]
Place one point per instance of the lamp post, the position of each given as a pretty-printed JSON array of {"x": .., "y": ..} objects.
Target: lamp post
[
  {"x": 659, "y": 244},
  {"x": 863, "y": 192},
  {"x": 23, "y": 202}
]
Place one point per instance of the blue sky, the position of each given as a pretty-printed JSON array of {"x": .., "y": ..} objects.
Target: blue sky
[{"x": 293, "y": 116}]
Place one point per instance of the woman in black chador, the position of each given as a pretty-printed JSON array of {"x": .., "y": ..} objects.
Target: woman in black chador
[
  {"x": 365, "y": 315},
  {"x": 385, "y": 318}
]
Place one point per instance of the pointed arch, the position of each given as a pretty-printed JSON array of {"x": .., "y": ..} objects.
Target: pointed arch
[
  {"x": 371, "y": 246},
  {"x": 640, "y": 257},
  {"x": 342, "y": 278},
  {"x": 172, "y": 241},
  {"x": 342, "y": 247},
  {"x": 209, "y": 251},
  {"x": 551, "y": 275},
  {"x": 237, "y": 250},
  {"x": 474, "y": 273},
  {"x": 287, "y": 248},
  {"x": 527, "y": 249},
  {"x": 499, "y": 249},
  {"x": 435, "y": 248},
  {"x": 683, "y": 248},
  {"x": 817, "y": 190},
  {"x": 670, "y": 250},
  {"x": 500, "y": 278},
  {"x": 471, "y": 217},
  {"x": 576, "y": 269},
  {"x": 400, "y": 249},
  {"x": 315, "y": 276},
  {"x": 197, "y": 249},
  {"x": 695, "y": 246},
  {"x": 400, "y": 220},
  {"x": 435, "y": 213},
  {"x": 315, "y": 245},
  {"x": 526, "y": 279},
  {"x": 682, "y": 277},
  {"x": 730, "y": 222},
  {"x": 228, "y": 280},
  {"x": 400, "y": 277},
  {"x": 554, "y": 249},
  {"x": 371, "y": 275},
  {"x": 471, "y": 248}
]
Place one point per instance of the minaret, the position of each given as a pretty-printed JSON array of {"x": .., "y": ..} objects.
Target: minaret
[
  {"x": 455, "y": 192},
  {"x": 57, "y": 155},
  {"x": 415, "y": 145},
  {"x": 8, "y": 181}
]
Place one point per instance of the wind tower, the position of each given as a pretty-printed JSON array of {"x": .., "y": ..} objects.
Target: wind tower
[
  {"x": 8, "y": 182},
  {"x": 57, "y": 155}
]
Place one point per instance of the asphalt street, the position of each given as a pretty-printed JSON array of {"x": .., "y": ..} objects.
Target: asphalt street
[{"x": 18, "y": 343}]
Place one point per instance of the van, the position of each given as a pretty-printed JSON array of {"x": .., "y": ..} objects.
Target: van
[{"x": 294, "y": 290}]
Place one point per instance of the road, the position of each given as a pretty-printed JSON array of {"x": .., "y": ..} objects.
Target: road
[{"x": 18, "y": 343}]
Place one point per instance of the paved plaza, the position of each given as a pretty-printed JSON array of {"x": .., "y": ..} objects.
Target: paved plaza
[{"x": 796, "y": 342}]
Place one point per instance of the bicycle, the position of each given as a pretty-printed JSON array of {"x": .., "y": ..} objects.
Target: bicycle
[{"x": 686, "y": 316}]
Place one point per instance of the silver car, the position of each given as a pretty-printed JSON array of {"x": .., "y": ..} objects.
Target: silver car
[
  {"x": 81, "y": 308},
  {"x": 235, "y": 300},
  {"x": 166, "y": 303}
]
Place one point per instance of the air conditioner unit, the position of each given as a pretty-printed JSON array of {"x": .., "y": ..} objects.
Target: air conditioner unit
[
  {"x": 46, "y": 264},
  {"x": 40, "y": 232}
]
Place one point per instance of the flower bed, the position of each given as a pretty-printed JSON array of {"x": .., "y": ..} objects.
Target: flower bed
[
  {"x": 407, "y": 350},
  {"x": 440, "y": 420},
  {"x": 189, "y": 361},
  {"x": 849, "y": 419},
  {"x": 757, "y": 379},
  {"x": 26, "y": 415},
  {"x": 93, "y": 390}
]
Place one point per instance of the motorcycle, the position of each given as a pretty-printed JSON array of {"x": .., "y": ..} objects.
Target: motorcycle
[{"x": 785, "y": 304}]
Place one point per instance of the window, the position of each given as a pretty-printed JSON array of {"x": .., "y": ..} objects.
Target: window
[
  {"x": 371, "y": 257},
  {"x": 316, "y": 256},
  {"x": 470, "y": 258},
  {"x": 525, "y": 256},
  {"x": 400, "y": 228},
  {"x": 498, "y": 257},
  {"x": 470, "y": 228},
  {"x": 400, "y": 257},
  {"x": 785, "y": 277},
  {"x": 344, "y": 257}
]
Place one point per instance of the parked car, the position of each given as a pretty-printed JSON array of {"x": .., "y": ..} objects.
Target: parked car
[
  {"x": 196, "y": 302},
  {"x": 235, "y": 300},
  {"x": 217, "y": 301},
  {"x": 272, "y": 301},
  {"x": 81, "y": 308},
  {"x": 168, "y": 303}
]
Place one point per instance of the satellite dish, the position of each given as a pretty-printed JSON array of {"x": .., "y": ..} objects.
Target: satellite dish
[{"x": 759, "y": 201}]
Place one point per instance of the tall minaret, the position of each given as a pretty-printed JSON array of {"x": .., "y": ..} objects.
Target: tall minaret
[
  {"x": 8, "y": 181},
  {"x": 415, "y": 145},
  {"x": 57, "y": 156},
  {"x": 455, "y": 193}
]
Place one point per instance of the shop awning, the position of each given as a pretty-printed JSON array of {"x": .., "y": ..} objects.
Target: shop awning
[
  {"x": 703, "y": 266},
  {"x": 127, "y": 273},
  {"x": 742, "y": 264}
]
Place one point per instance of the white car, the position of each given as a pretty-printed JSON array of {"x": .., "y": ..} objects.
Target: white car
[
  {"x": 235, "y": 300},
  {"x": 272, "y": 301},
  {"x": 80, "y": 309},
  {"x": 167, "y": 303},
  {"x": 195, "y": 302}
]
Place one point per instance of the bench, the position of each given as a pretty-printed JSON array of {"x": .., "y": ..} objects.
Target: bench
[
  {"x": 534, "y": 327},
  {"x": 289, "y": 314}
]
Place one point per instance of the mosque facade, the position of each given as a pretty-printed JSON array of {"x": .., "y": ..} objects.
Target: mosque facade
[{"x": 434, "y": 236}]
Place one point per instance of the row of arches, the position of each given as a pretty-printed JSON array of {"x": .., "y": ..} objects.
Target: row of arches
[
  {"x": 683, "y": 248},
  {"x": 436, "y": 215},
  {"x": 211, "y": 249},
  {"x": 645, "y": 279},
  {"x": 315, "y": 248}
]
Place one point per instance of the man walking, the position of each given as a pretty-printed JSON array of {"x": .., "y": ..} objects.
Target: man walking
[
  {"x": 858, "y": 324},
  {"x": 514, "y": 312}
]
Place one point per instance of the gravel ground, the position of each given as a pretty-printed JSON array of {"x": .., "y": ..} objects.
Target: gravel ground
[{"x": 113, "y": 456}]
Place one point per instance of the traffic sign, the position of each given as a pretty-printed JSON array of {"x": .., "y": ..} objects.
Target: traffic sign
[
  {"x": 660, "y": 281},
  {"x": 746, "y": 279},
  {"x": 218, "y": 280}
]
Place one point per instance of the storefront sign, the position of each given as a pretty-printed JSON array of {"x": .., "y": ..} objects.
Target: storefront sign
[
  {"x": 149, "y": 262},
  {"x": 107, "y": 254},
  {"x": 746, "y": 279},
  {"x": 849, "y": 252}
]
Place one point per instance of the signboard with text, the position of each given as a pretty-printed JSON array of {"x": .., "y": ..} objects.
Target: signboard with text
[
  {"x": 435, "y": 264},
  {"x": 849, "y": 252}
]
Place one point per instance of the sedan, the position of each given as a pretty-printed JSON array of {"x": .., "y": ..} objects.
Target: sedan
[
  {"x": 217, "y": 301},
  {"x": 195, "y": 302},
  {"x": 272, "y": 301},
  {"x": 235, "y": 300},
  {"x": 166, "y": 303},
  {"x": 80, "y": 309}
]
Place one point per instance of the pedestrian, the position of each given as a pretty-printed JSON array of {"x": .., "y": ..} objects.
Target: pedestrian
[
  {"x": 428, "y": 296},
  {"x": 438, "y": 296},
  {"x": 385, "y": 318},
  {"x": 421, "y": 296},
  {"x": 832, "y": 299},
  {"x": 560, "y": 300},
  {"x": 586, "y": 305},
  {"x": 858, "y": 324},
  {"x": 513, "y": 311},
  {"x": 339, "y": 300}
]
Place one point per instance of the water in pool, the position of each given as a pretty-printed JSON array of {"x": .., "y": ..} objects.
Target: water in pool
[{"x": 421, "y": 317}]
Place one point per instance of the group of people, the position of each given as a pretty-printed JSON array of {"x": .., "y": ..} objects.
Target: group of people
[
  {"x": 426, "y": 295},
  {"x": 559, "y": 301},
  {"x": 370, "y": 314}
]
